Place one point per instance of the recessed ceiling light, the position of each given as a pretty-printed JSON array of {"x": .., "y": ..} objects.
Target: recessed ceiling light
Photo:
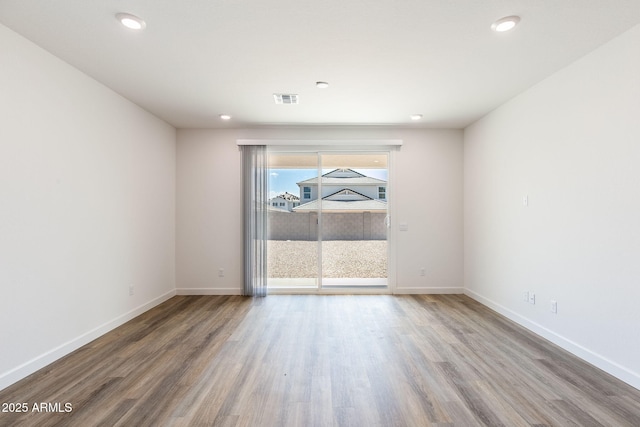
[
  {"x": 131, "y": 21},
  {"x": 225, "y": 117},
  {"x": 322, "y": 85},
  {"x": 416, "y": 116},
  {"x": 505, "y": 24}
]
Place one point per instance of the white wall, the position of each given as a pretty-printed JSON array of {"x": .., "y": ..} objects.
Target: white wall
[
  {"x": 208, "y": 213},
  {"x": 428, "y": 198},
  {"x": 87, "y": 208},
  {"x": 572, "y": 145}
]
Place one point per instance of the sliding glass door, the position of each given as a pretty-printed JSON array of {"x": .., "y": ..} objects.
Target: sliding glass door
[
  {"x": 292, "y": 249},
  {"x": 328, "y": 216},
  {"x": 353, "y": 218}
]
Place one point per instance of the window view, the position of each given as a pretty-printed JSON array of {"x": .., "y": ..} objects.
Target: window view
[
  {"x": 327, "y": 226},
  {"x": 292, "y": 249}
]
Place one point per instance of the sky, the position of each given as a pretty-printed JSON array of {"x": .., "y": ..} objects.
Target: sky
[{"x": 284, "y": 180}]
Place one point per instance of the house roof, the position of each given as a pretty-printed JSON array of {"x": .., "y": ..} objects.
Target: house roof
[
  {"x": 343, "y": 177},
  {"x": 346, "y": 194},
  {"x": 343, "y": 173},
  {"x": 345, "y": 200},
  {"x": 287, "y": 196}
]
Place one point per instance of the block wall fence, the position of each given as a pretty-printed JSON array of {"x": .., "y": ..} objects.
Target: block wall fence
[{"x": 336, "y": 226}]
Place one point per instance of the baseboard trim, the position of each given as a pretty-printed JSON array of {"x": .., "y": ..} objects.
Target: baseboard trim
[
  {"x": 39, "y": 362},
  {"x": 423, "y": 291},
  {"x": 618, "y": 371},
  {"x": 208, "y": 291}
]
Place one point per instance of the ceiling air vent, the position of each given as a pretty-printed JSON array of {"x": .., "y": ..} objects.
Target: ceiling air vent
[{"x": 285, "y": 98}]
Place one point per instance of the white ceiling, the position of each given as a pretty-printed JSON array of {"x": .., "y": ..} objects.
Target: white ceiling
[{"x": 384, "y": 59}]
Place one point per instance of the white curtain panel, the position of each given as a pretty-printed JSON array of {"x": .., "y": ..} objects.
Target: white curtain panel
[{"x": 254, "y": 182}]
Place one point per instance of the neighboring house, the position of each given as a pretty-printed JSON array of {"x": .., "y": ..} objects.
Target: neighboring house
[
  {"x": 345, "y": 200},
  {"x": 343, "y": 190},
  {"x": 354, "y": 207},
  {"x": 285, "y": 201}
]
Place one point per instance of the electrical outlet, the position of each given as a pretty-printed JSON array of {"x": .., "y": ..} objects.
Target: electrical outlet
[
  {"x": 422, "y": 272},
  {"x": 554, "y": 306},
  {"x": 532, "y": 298},
  {"x": 525, "y": 296},
  {"x": 525, "y": 200},
  {"x": 221, "y": 272},
  {"x": 130, "y": 290}
]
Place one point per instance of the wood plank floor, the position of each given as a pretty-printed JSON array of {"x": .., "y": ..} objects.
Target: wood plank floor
[{"x": 309, "y": 360}]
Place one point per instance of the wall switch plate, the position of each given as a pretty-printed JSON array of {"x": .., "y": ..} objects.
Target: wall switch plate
[
  {"x": 532, "y": 298},
  {"x": 525, "y": 296},
  {"x": 554, "y": 306}
]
